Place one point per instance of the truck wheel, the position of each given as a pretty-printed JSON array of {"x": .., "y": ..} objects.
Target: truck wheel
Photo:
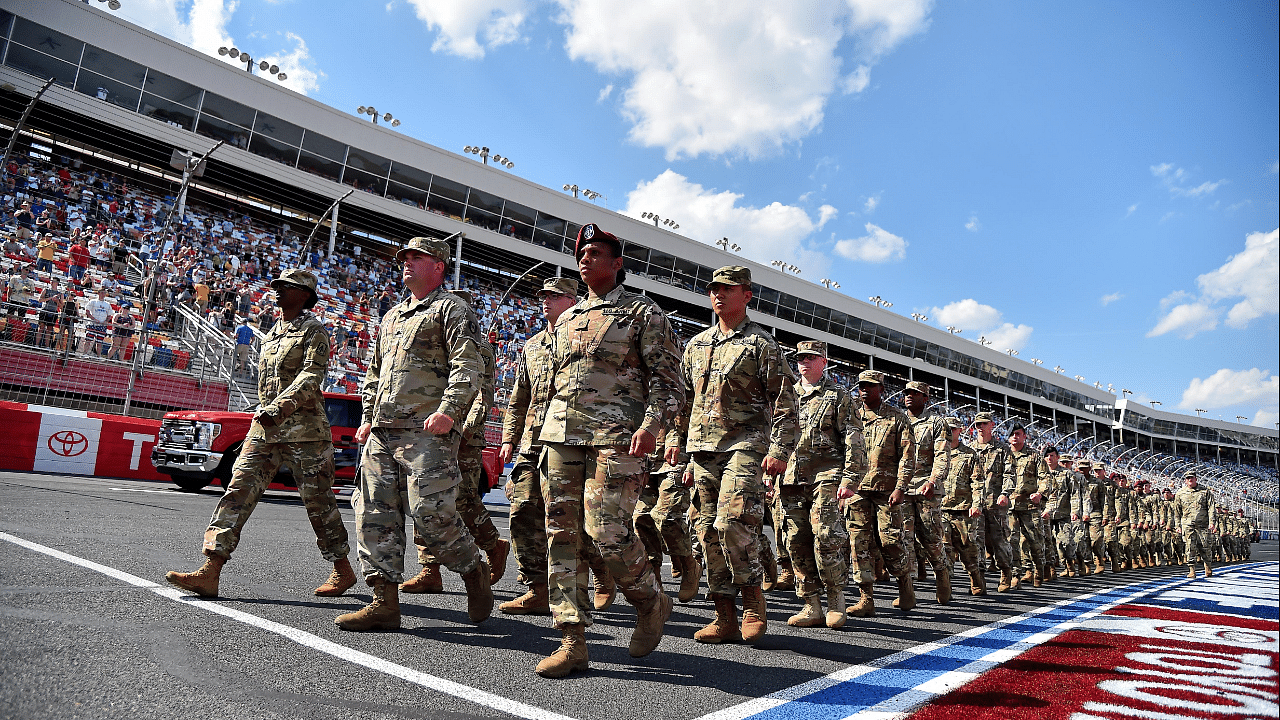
[{"x": 189, "y": 482}]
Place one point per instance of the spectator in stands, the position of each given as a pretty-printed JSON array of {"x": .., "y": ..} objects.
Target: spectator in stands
[
  {"x": 244, "y": 344},
  {"x": 50, "y": 307},
  {"x": 45, "y": 247},
  {"x": 26, "y": 222},
  {"x": 99, "y": 314},
  {"x": 20, "y": 286},
  {"x": 119, "y": 257},
  {"x": 123, "y": 323},
  {"x": 78, "y": 262},
  {"x": 201, "y": 294},
  {"x": 66, "y": 338},
  {"x": 12, "y": 246},
  {"x": 226, "y": 317}
]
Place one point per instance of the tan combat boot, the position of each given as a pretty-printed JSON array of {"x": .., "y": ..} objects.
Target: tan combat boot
[
  {"x": 1006, "y": 581},
  {"x": 835, "y": 607},
  {"x": 341, "y": 580},
  {"x": 534, "y": 602},
  {"x": 1029, "y": 575},
  {"x": 724, "y": 628},
  {"x": 810, "y": 615},
  {"x": 651, "y": 616},
  {"x": 1084, "y": 568},
  {"x": 1037, "y": 576},
  {"x": 606, "y": 589},
  {"x": 977, "y": 583},
  {"x": 1208, "y": 569},
  {"x": 754, "y": 619},
  {"x": 943, "y": 582},
  {"x": 498, "y": 561},
  {"x": 1050, "y": 573},
  {"x": 426, "y": 581},
  {"x": 1191, "y": 570},
  {"x": 202, "y": 582},
  {"x": 690, "y": 576},
  {"x": 866, "y": 605},
  {"x": 382, "y": 613},
  {"x": 770, "y": 580},
  {"x": 1098, "y": 567},
  {"x": 906, "y": 599},
  {"x": 786, "y": 581},
  {"x": 570, "y": 656},
  {"x": 479, "y": 593},
  {"x": 882, "y": 573}
]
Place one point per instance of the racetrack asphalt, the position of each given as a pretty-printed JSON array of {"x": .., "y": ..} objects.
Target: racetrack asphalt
[{"x": 80, "y": 643}]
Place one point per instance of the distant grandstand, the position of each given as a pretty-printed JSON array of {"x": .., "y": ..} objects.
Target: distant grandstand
[{"x": 99, "y": 149}]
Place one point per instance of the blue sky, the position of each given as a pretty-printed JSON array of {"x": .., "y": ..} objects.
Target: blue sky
[{"x": 1090, "y": 184}]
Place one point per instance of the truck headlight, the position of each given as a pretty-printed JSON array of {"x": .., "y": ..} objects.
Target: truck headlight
[{"x": 205, "y": 433}]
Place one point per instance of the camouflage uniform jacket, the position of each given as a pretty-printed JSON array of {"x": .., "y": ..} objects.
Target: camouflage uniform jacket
[
  {"x": 993, "y": 474},
  {"x": 478, "y": 413},
  {"x": 1030, "y": 476},
  {"x": 1096, "y": 495},
  {"x": 958, "y": 491},
  {"x": 1066, "y": 495},
  {"x": 532, "y": 391},
  {"x": 425, "y": 361},
  {"x": 932, "y": 453},
  {"x": 1192, "y": 508},
  {"x": 1127, "y": 505},
  {"x": 615, "y": 371},
  {"x": 891, "y": 450},
  {"x": 1165, "y": 518},
  {"x": 830, "y": 435},
  {"x": 1150, "y": 507},
  {"x": 741, "y": 393},
  {"x": 291, "y": 367}
]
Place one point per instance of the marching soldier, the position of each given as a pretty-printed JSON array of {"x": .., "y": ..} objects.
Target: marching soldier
[
  {"x": 1119, "y": 522},
  {"x": 1029, "y": 486},
  {"x": 962, "y": 504},
  {"x": 922, "y": 513},
  {"x": 1080, "y": 527},
  {"x": 828, "y": 450},
  {"x": 738, "y": 427},
  {"x": 423, "y": 376},
  {"x": 1064, "y": 507},
  {"x": 1175, "y": 528},
  {"x": 660, "y": 521},
  {"x": 874, "y": 510},
  {"x": 291, "y": 427},
  {"x": 615, "y": 388},
  {"x": 995, "y": 468},
  {"x": 1193, "y": 508},
  {"x": 1097, "y": 489}
]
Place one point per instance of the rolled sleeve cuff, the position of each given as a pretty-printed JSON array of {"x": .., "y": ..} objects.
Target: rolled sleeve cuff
[
  {"x": 653, "y": 425},
  {"x": 452, "y": 410}
]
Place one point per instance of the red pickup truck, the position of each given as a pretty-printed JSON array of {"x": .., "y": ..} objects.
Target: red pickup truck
[{"x": 197, "y": 447}]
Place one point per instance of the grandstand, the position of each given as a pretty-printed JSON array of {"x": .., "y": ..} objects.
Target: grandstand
[{"x": 98, "y": 151}]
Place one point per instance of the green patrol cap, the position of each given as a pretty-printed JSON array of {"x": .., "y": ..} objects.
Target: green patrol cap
[
  {"x": 983, "y": 417},
  {"x": 435, "y": 247},
  {"x": 811, "y": 347},
  {"x": 559, "y": 286},
  {"x": 1188, "y": 474},
  {"x": 298, "y": 278},
  {"x": 954, "y": 423},
  {"x": 917, "y": 386},
  {"x": 731, "y": 275},
  {"x": 871, "y": 377},
  {"x": 1099, "y": 466}
]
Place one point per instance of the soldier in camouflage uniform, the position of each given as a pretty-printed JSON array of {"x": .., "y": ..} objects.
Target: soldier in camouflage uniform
[
  {"x": 1080, "y": 528},
  {"x": 738, "y": 427},
  {"x": 1065, "y": 506},
  {"x": 1119, "y": 520},
  {"x": 615, "y": 388},
  {"x": 423, "y": 376},
  {"x": 997, "y": 483},
  {"x": 828, "y": 449},
  {"x": 471, "y": 467},
  {"x": 1097, "y": 492},
  {"x": 1178, "y": 545},
  {"x": 1193, "y": 511},
  {"x": 874, "y": 510},
  {"x": 1027, "y": 502},
  {"x": 660, "y": 521},
  {"x": 962, "y": 504},
  {"x": 290, "y": 427},
  {"x": 922, "y": 511},
  {"x": 1247, "y": 530}
]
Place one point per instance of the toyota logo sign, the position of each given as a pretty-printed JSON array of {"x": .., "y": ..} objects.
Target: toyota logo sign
[{"x": 68, "y": 443}]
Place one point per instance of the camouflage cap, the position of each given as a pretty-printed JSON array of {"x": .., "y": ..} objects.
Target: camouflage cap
[
  {"x": 917, "y": 386},
  {"x": 559, "y": 286},
  {"x": 435, "y": 247},
  {"x": 731, "y": 275},
  {"x": 297, "y": 278},
  {"x": 871, "y": 377},
  {"x": 811, "y": 347},
  {"x": 954, "y": 423},
  {"x": 1099, "y": 466},
  {"x": 591, "y": 233},
  {"x": 1188, "y": 474},
  {"x": 983, "y": 417}
]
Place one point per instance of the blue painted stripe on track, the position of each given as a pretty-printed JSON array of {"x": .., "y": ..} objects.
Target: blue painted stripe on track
[{"x": 895, "y": 682}]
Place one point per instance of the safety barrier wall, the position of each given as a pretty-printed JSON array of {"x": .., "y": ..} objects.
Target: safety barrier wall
[{"x": 48, "y": 439}]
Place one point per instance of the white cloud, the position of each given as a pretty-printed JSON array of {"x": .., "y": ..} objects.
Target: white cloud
[
  {"x": 1174, "y": 178},
  {"x": 1266, "y": 417},
  {"x": 1132, "y": 209},
  {"x": 298, "y": 65},
  {"x": 983, "y": 321},
  {"x": 772, "y": 232},
  {"x": 739, "y": 77},
  {"x": 877, "y": 246},
  {"x": 1230, "y": 387},
  {"x": 467, "y": 29},
  {"x": 1252, "y": 276},
  {"x": 1108, "y": 299},
  {"x": 871, "y": 204},
  {"x": 827, "y": 213},
  {"x": 973, "y": 225},
  {"x": 605, "y": 92},
  {"x": 1204, "y": 188}
]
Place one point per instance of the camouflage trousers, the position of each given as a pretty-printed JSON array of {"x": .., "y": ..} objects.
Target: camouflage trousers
[
  {"x": 591, "y": 495},
  {"x": 1097, "y": 541},
  {"x": 470, "y": 506},
  {"x": 993, "y": 536},
  {"x": 1051, "y": 556},
  {"x": 1026, "y": 545},
  {"x": 1064, "y": 536},
  {"x": 1180, "y": 547},
  {"x": 528, "y": 521},
  {"x": 960, "y": 529},
  {"x": 1119, "y": 541},
  {"x": 1138, "y": 542},
  {"x": 661, "y": 516},
  {"x": 874, "y": 523},
  {"x": 731, "y": 483},
  {"x": 816, "y": 538},
  {"x": 778, "y": 521},
  {"x": 312, "y": 464},
  {"x": 1213, "y": 546},
  {"x": 1080, "y": 538},
  {"x": 922, "y": 527},
  {"x": 1197, "y": 544},
  {"x": 410, "y": 472}
]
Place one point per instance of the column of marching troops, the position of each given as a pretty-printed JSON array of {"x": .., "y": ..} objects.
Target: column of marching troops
[{"x": 626, "y": 448}]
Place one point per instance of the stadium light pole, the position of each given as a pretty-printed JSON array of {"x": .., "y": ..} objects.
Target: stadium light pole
[
  {"x": 1154, "y": 403},
  {"x": 919, "y": 317},
  {"x": 831, "y": 284},
  {"x": 113, "y": 4},
  {"x": 672, "y": 224},
  {"x": 22, "y": 121},
  {"x": 241, "y": 56},
  {"x": 373, "y": 115},
  {"x": 484, "y": 154},
  {"x": 727, "y": 246}
]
